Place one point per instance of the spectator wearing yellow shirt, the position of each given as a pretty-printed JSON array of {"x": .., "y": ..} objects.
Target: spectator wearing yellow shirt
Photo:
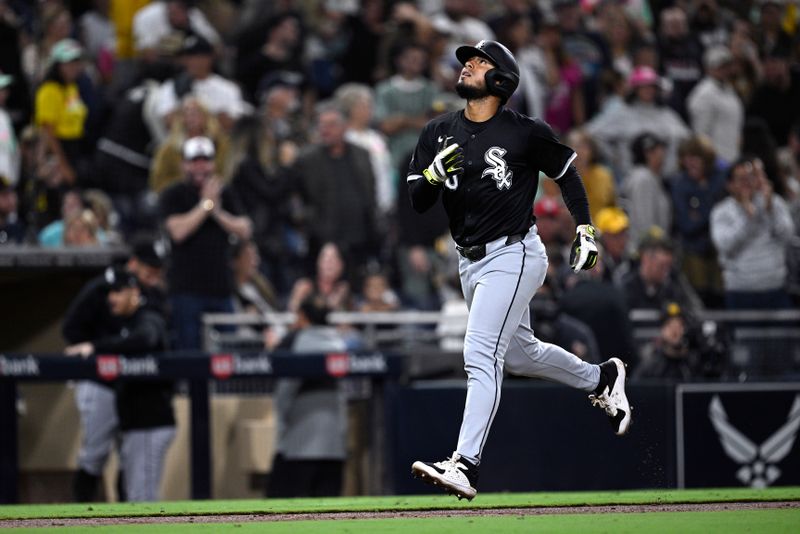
[
  {"x": 59, "y": 112},
  {"x": 597, "y": 178}
]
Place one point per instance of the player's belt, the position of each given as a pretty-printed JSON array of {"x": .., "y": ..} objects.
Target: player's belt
[{"x": 478, "y": 252}]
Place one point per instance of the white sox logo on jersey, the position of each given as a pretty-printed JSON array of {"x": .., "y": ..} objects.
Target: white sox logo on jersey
[{"x": 499, "y": 168}]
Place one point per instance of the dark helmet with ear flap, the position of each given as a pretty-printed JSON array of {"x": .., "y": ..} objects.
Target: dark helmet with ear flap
[{"x": 503, "y": 79}]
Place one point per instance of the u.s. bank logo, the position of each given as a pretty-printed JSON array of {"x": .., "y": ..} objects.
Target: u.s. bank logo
[
  {"x": 758, "y": 462},
  {"x": 499, "y": 168}
]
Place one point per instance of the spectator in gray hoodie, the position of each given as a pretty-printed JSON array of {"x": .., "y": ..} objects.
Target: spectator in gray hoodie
[{"x": 750, "y": 230}]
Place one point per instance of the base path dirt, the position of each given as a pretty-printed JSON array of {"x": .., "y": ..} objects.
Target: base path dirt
[{"x": 243, "y": 518}]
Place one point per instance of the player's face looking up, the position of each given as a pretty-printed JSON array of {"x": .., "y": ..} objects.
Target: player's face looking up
[{"x": 472, "y": 82}]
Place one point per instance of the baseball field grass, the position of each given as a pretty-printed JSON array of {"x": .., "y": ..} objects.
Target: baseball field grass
[{"x": 701, "y": 511}]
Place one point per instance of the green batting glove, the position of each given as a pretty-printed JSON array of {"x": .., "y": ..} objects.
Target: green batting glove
[
  {"x": 447, "y": 164},
  {"x": 583, "y": 254}
]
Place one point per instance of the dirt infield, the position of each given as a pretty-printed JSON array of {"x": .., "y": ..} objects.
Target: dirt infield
[{"x": 248, "y": 518}]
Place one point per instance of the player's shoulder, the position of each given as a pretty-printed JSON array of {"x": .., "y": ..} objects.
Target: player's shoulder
[{"x": 535, "y": 124}]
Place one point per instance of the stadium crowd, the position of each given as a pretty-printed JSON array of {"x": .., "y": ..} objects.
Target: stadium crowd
[{"x": 263, "y": 147}]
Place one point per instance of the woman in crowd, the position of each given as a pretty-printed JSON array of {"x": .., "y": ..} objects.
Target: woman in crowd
[
  {"x": 60, "y": 113},
  {"x": 193, "y": 120}
]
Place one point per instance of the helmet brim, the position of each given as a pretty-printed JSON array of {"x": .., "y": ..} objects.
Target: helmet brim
[{"x": 465, "y": 53}]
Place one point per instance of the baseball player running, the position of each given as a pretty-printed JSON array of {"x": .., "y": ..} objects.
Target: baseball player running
[{"x": 484, "y": 161}]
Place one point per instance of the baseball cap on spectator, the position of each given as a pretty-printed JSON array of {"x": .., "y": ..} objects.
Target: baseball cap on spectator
[
  {"x": 611, "y": 220},
  {"x": 65, "y": 50},
  {"x": 149, "y": 251},
  {"x": 118, "y": 277},
  {"x": 643, "y": 76},
  {"x": 547, "y": 207},
  {"x": 198, "y": 147},
  {"x": 717, "y": 56},
  {"x": 5, "y": 80},
  {"x": 195, "y": 45},
  {"x": 672, "y": 309},
  {"x": 655, "y": 239}
]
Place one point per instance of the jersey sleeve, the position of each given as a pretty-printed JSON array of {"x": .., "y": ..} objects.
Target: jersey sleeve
[{"x": 546, "y": 152}]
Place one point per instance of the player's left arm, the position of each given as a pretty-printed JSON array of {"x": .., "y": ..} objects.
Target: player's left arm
[{"x": 555, "y": 160}]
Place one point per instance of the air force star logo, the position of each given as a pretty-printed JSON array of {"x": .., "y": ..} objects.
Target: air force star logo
[
  {"x": 757, "y": 462},
  {"x": 499, "y": 168}
]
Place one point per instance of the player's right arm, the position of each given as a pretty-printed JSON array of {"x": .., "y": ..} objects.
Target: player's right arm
[{"x": 422, "y": 192}]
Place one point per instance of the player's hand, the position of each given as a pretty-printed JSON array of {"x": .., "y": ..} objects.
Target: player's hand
[
  {"x": 583, "y": 254},
  {"x": 447, "y": 164}
]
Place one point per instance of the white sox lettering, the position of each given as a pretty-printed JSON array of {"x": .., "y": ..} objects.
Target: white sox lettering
[{"x": 499, "y": 168}]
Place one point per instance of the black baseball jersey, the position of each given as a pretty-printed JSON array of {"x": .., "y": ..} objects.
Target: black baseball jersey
[{"x": 494, "y": 195}]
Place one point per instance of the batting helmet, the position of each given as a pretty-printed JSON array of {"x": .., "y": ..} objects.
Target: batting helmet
[{"x": 503, "y": 79}]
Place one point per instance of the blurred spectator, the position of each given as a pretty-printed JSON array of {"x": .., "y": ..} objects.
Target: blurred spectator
[
  {"x": 715, "y": 110},
  {"x": 192, "y": 120},
  {"x": 602, "y": 307},
  {"x": 101, "y": 207},
  {"x": 621, "y": 34},
  {"x": 262, "y": 182},
  {"x": 465, "y": 26},
  {"x": 617, "y": 127},
  {"x": 37, "y": 57},
  {"x": 694, "y": 192},
  {"x": 336, "y": 181},
  {"x": 613, "y": 224},
  {"x": 98, "y": 35},
  {"x": 669, "y": 356},
  {"x": 655, "y": 282},
  {"x": 254, "y": 293},
  {"x": 201, "y": 218},
  {"x": 220, "y": 96},
  {"x": 565, "y": 101},
  {"x": 366, "y": 29},
  {"x": 644, "y": 194},
  {"x": 60, "y": 112},
  {"x": 273, "y": 47},
  {"x": 357, "y": 103},
  {"x": 328, "y": 283},
  {"x": 769, "y": 32},
  {"x": 709, "y": 23},
  {"x": 777, "y": 97},
  {"x": 52, "y": 235},
  {"x": 12, "y": 230},
  {"x": 515, "y": 29},
  {"x": 585, "y": 46},
  {"x": 403, "y": 103},
  {"x": 750, "y": 230},
  {"x": 680, "y": 53},
  {"x": 144, "y": 409},
  {"x": 81, "y": 230},
  {"x": 282, "y": 115},
  {"x": 18, "y": 104},
  {"x": 123, "y": 158},
  {"x": 377, "y": 295},
  {"x": 9, "y": 149},
  {"x": 160, "y": 28},
  {"x": 312, "y": 414},
  {"x": 759, "y": 143},
  {"x": 326, "y": 45},
  {"x": 597, "y": 178},
  {"x": 747, "y": 65}
]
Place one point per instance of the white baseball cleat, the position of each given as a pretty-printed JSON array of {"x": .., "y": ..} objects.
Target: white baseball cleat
[
  {"x": 456, "y": 475},
  {"x": 610, "y": 395}
]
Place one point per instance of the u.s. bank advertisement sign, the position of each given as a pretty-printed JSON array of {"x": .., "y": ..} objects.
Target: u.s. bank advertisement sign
[{"x": 743, "y": 435}]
